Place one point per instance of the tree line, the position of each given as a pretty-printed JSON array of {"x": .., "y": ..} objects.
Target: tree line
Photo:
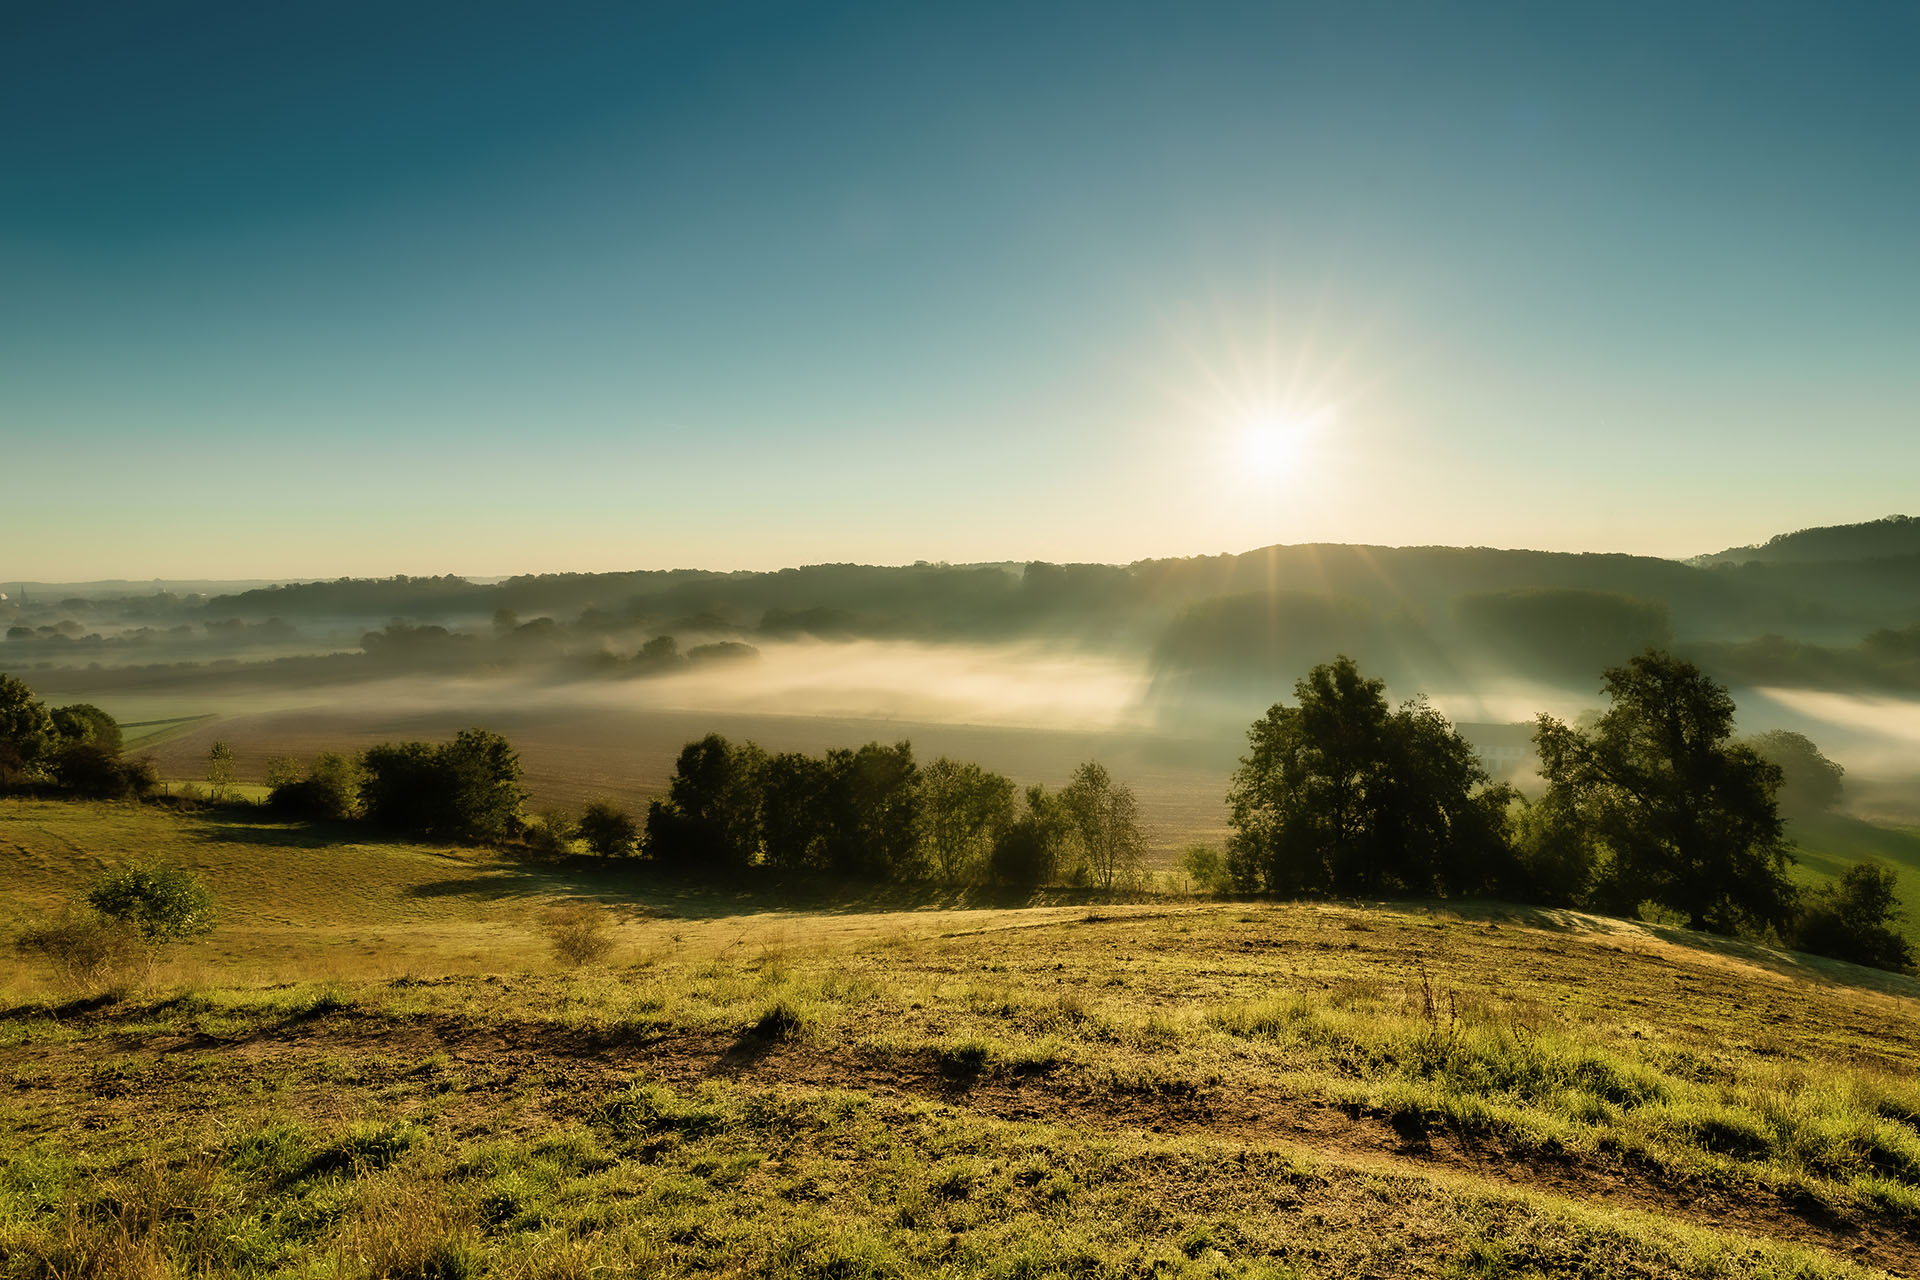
[{"x": 1651, "y": 805}]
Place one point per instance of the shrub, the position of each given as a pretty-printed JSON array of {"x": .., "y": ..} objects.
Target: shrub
[
  {"x": 551, "y": 835},
  {"x": 327, "y": 794},
  {"x": 82, "y": 948},
  {"x": 1206, "y": 868},
  {"x": 1853, "y": 919},
  {"x": 609, "y": 830},
  {"x": 94, "y": 770},
  {"x": 466, "y": 789},
  {"x": 579, "y": 934},
  {"x": 163, "y": 903}
]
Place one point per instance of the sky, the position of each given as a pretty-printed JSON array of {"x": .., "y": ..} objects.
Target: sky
[{"x": 319, "y": 288}]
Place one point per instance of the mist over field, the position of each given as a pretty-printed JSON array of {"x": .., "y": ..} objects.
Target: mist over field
[{"x": 1167, "y": 660}]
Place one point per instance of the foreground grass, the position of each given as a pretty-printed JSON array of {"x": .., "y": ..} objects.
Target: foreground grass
[{"x": 1170, "y": 1089}]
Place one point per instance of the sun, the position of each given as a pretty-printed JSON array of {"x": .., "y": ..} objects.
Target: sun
[{"x": 1277, "y": 447}]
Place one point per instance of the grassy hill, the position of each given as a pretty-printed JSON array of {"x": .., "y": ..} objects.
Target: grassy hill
[{"x": 374, "y": 1067}]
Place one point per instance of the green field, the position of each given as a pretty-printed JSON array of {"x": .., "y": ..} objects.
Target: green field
[{"x": 375, "y": 1067}]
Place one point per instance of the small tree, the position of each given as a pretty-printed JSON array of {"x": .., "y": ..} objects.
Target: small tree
[
  {"x": 329, "y": 792},
  {"x": 165, "y": 903},
  {"x": 1854, "y": 919},
  {"x": 1106, "y": 819},
  {"x": 608, "y": 829},
  {"x": 219, "y": 771},
  {"x": 551, "y": 834},
  {"x": 85, "y": 723},
  {"x": 1027, "y": 852}
]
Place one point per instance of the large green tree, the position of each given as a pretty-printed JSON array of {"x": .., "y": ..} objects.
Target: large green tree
[
  {"x": 1342, "y": 794},
  {"x": 963, "y": 810},
  {"x": 1672, "y": 810},
  {"x": 710, "y": 818}
]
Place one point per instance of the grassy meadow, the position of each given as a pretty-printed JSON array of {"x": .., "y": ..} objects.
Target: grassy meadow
[{"x": 378, "y": 1066}]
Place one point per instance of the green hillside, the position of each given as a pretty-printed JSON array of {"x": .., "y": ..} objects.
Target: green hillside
[{"x": 375, "y": 1067}]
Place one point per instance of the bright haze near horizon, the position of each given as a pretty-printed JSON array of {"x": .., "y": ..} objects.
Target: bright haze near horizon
[{"x": 315, "y": 289}]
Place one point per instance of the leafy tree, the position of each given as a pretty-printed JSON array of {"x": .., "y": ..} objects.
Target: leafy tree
[
  {"x": 1809, "y": 782},
  {"x": 1854, "y": 919},
  {"x": 164, "y": 903},
  {"x": 876, "y": 812},
  {"x": 659, "y": 654},
  {"x": 963, "y": 809},
  {"x": 84, "y": 722},
  {"x": 1105, "y": 819},
  {"x": 90, "y": 769},
  {"x": 1677, "y": 813},
  {"x": 551, "y": 834},
  {"x": 1206, "y": 868},
  {"x": 1027, "y": 851},
  {"x": 466, "y": 789},
  {"x": 608, "y": 829},
  {"x": 797, "y": 812},
  {"x": 329, "y": 792},
  {"x": 1339, "y": 794},
  {"x": 26, "y": 729},
  {"x": 219, "y": 770},
  {"x": 710, "y": 818}
]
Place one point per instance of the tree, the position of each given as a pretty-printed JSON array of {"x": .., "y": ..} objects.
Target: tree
[
  {"x": 26, "y": 729},
  {"x": 1339, "y": 794},
  {"x": 1854, "y": 919},
  {"x": 1677, "y": 813},
  {"x": 164, "y": 903},
  {"x": 89, "y": 769},
  {"x": 796, "y": 812},
  {"x": 608, "y": 829},
  {"x": 1809, "y": 782},
  {"x": 84, "y": 722},
  {"x": 1027, "y": 851},
  {"x": 710, "y": 819},
  {"x": 1106, "y": 820},
  {"x": 467, "y": 789},
  {"x": 328, "y": 793},
  {"x": 219, "y": 770},
  {"x": 963, "y": 809},
  {"x": 875, "y": 807}
]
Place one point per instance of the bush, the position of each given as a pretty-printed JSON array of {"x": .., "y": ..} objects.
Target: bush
[
  {"x": 1206, "y": 868},
  {"x": 609, "y": 830},
  {"x": 82, "y": 949},
  {"x": 467, "y": 789},
  {"x": 328, "y": 793},
  {"x": 579, "y": 934},
  {"x": 90, "y": 769},
  {"x": 551, "y": 835},
  {"x": 162, "y": 903},
  {"x": 1853, "y": 919}
]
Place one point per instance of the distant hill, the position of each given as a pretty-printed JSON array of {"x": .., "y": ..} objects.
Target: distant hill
[{"x": 1873, "y": 540}]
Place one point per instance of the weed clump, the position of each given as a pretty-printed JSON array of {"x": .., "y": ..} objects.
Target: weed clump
[
  {"x": 783, "y": 1022},
  {"x": 579, "y": 934}
]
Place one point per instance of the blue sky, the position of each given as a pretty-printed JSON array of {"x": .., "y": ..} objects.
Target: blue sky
[{"x": 317, "y": 288}]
